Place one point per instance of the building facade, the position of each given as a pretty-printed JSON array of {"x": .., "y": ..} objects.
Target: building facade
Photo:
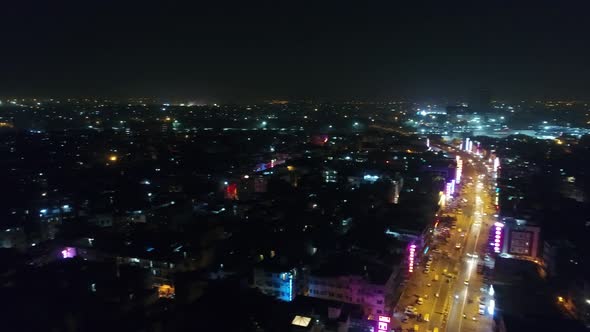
[{"x": 282, "y": 283}]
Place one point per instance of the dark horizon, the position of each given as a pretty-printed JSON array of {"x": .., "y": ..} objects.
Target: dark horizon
[{"x": 246, "y": 53}]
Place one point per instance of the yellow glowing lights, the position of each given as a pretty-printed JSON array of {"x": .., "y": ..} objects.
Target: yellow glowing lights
[
  {"x": 442, "y": 199},
  {"x": 113, "y": 157},
  {"x": 166, "y": 291}
]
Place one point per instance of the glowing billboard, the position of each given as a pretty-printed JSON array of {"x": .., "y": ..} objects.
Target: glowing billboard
[
  {"x": 411, "y": 255},
  {"x": 383, "y": 324},
  {"x": 498, "y": 226}
]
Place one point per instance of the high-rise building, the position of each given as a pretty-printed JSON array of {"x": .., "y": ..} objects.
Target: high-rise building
[{"x": 481, "y": 101}]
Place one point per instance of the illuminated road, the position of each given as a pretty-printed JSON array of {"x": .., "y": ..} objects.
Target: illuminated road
[
  {"x": 456, "y": 298},
  {"x": 463, "y": 314}
]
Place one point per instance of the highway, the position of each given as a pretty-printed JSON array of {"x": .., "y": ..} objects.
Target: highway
[{"x": 453, "y": 303}]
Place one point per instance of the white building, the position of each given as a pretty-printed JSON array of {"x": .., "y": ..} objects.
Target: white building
[{"x": 369, "y": 285}]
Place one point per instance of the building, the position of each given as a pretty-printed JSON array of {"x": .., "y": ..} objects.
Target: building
[
  {"x": 356, "y": 281},
  {"x": 330, "y": 176},
  {"x": 102, "y": 219},
  {"x": 278, "y": 280},
  {"x": 314, "y": 314},
  {"x": 518, "y": 238},
  {"x": 560, "y": 258},
  {"x": 481, "y": 101}
]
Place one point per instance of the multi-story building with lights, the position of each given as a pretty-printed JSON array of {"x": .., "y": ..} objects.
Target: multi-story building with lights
[
  {"x": 367, "y": 284},
  {"x": 516, "y": 238},
  {"x": 280, "y": 281}
]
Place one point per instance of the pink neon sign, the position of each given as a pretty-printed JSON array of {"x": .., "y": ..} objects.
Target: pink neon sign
[
  {"x": 459, "y": 170},
  {"x": 411, "y": 258},
  {"x": 498, "y": 236}
]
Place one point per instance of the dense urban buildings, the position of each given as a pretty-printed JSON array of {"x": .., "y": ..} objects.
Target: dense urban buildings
[{"x": 335, "y": 215}]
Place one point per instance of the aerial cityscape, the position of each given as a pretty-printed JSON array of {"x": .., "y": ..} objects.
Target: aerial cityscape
[{"x": 284, "y": 167}]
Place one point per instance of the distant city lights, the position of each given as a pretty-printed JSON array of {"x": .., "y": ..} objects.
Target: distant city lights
[{"x": 370, "y": 178}]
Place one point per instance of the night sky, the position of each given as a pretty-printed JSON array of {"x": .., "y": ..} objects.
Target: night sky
[{"x": 252, "y": 50}]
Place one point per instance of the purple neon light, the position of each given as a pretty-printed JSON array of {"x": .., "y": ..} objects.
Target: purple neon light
[
  {"x": 411, "y": 258},
  {"x": 68, "y": 252}
]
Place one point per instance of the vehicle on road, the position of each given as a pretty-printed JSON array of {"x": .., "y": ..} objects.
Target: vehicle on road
[
  {"x": 435, "y": 277},
  {"x": 458, "y": 246},
  {"x": 427, "y": 318},
  {"x": 410, "y": 313},
  {"x": 466, "y": 282},
  {"x": 420, "y": 301}
]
